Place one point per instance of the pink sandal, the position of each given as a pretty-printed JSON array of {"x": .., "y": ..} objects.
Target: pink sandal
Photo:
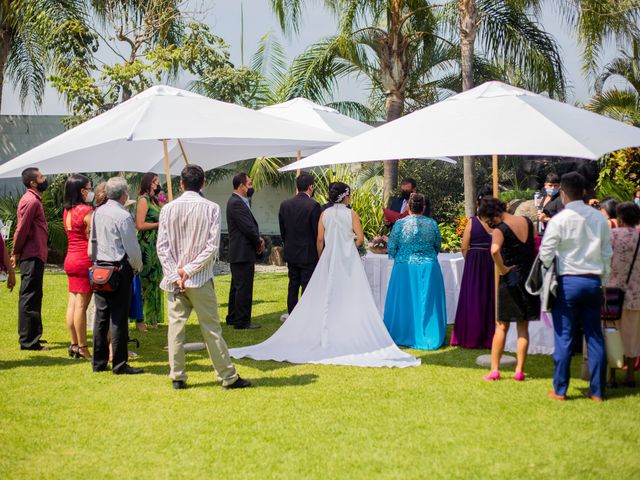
[
  {"x": 519, "y": 377},
  {"x": 495, "y": 375}
]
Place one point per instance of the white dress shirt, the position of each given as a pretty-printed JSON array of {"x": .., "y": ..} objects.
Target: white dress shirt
[
  {"x": 580, "y": 238},
  {"x": 188, "y": 238}
]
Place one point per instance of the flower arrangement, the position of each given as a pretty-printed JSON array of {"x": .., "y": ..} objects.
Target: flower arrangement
[{"x": 378, "y": 244}]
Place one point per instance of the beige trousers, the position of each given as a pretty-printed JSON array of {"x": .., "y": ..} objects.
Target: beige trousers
[{"x": 205, "y": 303}]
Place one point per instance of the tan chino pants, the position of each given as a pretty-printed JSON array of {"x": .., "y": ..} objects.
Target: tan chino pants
[{"x": 205, "y": 303}]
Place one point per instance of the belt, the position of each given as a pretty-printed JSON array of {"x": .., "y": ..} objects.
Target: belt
[{"x": 584, "y": 275}]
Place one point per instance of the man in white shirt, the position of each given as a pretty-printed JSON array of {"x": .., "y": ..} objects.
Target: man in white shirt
[
  {"x": 188, "y": 241},
  {"x": 579, "y": 240}
]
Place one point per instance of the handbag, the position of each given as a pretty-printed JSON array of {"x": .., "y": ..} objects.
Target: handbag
[
  {"x": 103, "y": 276},
  {"x": 613, "y": 298},
  {"x": 613, "y": 346}
]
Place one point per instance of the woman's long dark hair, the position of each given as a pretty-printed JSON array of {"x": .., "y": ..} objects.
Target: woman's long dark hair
[
  {"x": 73, "y": 190},
  {"x": 145, "y": 186}
]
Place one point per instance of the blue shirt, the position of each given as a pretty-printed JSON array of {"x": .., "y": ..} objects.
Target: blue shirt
[
  {"x": 415, "y": 239},
  {"x": 244, "y": 199}
]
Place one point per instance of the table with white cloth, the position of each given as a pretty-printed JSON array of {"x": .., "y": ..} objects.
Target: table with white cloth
[{"x": 378, "y": 268}]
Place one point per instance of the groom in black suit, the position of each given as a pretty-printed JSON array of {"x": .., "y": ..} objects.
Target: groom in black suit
[
  {"x": 245, "y": 245},
  {"x": 299, "y": 229}
]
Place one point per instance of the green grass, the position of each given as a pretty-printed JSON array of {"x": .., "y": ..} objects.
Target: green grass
[{"x": 441, "y": 420}]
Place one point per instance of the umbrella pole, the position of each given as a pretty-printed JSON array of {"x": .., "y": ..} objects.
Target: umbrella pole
[
  {"x": 298, "y": 157},
  {"x": 495, "y": 176},
  {"x": 184, "y": 152},
  {"x": 168, "y": 168}
]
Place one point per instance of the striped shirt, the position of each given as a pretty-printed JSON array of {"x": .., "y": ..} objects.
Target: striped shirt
[{"x": 188, "y": 238}]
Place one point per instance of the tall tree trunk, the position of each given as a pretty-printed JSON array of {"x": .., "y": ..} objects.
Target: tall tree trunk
[
  {"x": 394, "y": 107},
  {"x": 5, "y": 45},
  {"x": 468, "y": 29}
]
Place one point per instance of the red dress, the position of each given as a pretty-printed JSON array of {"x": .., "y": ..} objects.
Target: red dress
[{"x": 77, "y": 262}]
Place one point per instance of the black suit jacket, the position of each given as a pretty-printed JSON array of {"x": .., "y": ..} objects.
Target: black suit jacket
[
  {"x": 299, "y": 228},
  {"x": 244, "y": 236},
  {"x": 396, "y": 204}
]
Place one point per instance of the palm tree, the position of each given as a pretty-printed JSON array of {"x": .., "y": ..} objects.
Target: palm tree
[
  {"x": 392, "y": 44},
  {"x": 27, "y": 45},
  {"x": 617, "y": 103}
]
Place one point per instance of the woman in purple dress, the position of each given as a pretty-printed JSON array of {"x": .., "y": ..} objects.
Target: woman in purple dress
[{"x": 475, "y": 317}]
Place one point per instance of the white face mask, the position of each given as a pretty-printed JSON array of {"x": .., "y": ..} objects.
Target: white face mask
[{"x": 90, "y": 196}]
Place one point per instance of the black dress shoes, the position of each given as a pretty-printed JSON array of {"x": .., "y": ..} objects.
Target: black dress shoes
[
  {"x": 35, "y": 348},
  {"x": 127, "y": 370},
  {"x": 252, "y": 326},
  {"x": 179, "y": 384},
  {"x": 239, "y": 383}
]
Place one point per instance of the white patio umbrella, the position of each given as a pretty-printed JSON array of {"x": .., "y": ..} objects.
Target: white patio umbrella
[
  {"x": 163, "y": 127},
  {"x": 492, "y": 119}
]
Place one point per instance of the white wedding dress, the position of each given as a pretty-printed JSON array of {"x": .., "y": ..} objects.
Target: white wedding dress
[{"x": 336, "y": 320}]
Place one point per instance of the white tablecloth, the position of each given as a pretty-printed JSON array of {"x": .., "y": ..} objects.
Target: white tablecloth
[{"x": 378, "y": 268}]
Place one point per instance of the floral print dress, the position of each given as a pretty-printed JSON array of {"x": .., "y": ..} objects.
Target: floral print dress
[{"x": 151, "y": 275}]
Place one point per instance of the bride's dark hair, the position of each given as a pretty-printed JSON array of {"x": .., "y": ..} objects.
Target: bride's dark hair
[{"x": 338, "y": 191}]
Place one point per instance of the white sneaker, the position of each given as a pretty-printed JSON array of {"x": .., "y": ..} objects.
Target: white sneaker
[{"x": 284, "y": 317}]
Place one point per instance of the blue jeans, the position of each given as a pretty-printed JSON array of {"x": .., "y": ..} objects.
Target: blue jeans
[{"x": 578, "y": 302}]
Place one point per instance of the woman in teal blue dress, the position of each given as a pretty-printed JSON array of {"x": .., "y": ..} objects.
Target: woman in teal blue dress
[{"x": 415, "y": 310}]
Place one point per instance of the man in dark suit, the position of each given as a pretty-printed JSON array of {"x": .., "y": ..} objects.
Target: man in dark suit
[
  {"x": 299, "y": 230},
  {"x": 245, "y": 245},
  {"x": 401, "y": 203}
]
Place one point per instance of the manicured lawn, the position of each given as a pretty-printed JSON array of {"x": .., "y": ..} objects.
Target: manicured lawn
[{"x": 441, "y": 420}]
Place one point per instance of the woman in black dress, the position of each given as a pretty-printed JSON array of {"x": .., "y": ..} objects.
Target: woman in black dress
[{"x": 513, "y": 255}]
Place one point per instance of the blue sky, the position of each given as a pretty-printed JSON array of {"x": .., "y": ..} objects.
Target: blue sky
[{"x": 223, "y": 16}]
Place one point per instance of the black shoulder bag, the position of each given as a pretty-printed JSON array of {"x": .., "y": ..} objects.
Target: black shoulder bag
[{"x": 613, "y": 298}]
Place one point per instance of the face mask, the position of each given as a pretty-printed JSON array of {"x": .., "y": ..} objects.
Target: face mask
[
  {"x": 90, "y": 196},
  {"x": 406, "y": 195},
  {"x": 250, "y": 192},
  {"x": 551, "y": 191},
  {"x": 157, "y": 190},
  {"x": 42, "y": 186}
]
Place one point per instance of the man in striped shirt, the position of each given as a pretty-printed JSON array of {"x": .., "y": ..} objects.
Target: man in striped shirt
[{"x": 188, "y": 241}]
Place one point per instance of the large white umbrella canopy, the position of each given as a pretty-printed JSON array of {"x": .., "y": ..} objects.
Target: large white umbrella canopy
[
  {"x": 126, "y": 138},
  {"x": 306, "y": 112},
  {"x": 491, "y": 119}
]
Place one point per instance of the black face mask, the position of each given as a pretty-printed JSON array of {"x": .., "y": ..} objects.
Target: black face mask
[
  {"x": 157, "y": 190},
  {"x": 41, "y": 187},
  {"x": 406, "y": 195},
  {"x": 250, "y": 192}
]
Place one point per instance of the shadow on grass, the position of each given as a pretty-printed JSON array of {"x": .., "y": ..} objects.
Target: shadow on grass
[
  {"x": 291, "y": 381},
  {"x": 40, "y": 359}
]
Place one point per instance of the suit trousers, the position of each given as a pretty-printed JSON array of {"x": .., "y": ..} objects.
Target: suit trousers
[
  {"x": 578, "y": 303},
  {"x": 241, "y": 294},
  {"x": 203, "y": 301},
  {"x": 30, "y": 303},
  {"x": 112, "y": 313},
  {"x": 299, "y": 276}
]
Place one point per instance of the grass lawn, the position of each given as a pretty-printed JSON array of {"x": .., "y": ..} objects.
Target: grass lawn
[{"x": 441, "y": 420}]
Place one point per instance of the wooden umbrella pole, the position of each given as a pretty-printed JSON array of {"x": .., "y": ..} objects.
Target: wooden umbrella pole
[
  {"x": 184, "y": 152},
  {"x": 495, "y": 176},
  {"x": 298, "y": 157},
  {"x": 168, "y": 168}
]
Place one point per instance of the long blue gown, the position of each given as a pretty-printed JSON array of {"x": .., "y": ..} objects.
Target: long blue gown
[{"x": 415, "y": 309}]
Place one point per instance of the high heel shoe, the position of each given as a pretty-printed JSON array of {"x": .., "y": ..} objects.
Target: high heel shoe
[
  {"x": 495, "y": 375},
  {"x": 519, "y": 377},
  {"x": 83, "y": 352},
  {"x": 72, "y": 351}
]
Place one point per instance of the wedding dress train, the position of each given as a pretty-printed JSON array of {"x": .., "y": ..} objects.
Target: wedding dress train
[{"x": 336, "y": 320}]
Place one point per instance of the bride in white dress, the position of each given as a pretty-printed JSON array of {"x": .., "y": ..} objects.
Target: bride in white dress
[{"x": 336, "y": 320}]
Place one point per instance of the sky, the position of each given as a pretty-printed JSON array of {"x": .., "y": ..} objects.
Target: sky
[{"x": 223, "y": 16}]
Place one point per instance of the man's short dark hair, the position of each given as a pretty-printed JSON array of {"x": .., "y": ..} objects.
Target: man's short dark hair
[
  {"x": 573, "y": 185},
  {"x": 629, "y": 214},
  {"x": 30, "y": 175},
  {"x": 552, "y": 178},
  {"x": 409, "y": 181},
  {"x": 240, "y": 179},
  {"x": 192, "y": 177},
  {"x": 304, "y": 181}
]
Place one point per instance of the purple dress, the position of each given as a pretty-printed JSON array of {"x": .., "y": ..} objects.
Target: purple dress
[{"x": 475, "y": 317}]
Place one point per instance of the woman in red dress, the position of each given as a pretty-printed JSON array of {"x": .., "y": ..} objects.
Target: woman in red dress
[{"x": 78, "y": 193}]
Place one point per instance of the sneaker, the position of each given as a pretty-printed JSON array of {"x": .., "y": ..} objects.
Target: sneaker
[{"x": 239, "y": 383}]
